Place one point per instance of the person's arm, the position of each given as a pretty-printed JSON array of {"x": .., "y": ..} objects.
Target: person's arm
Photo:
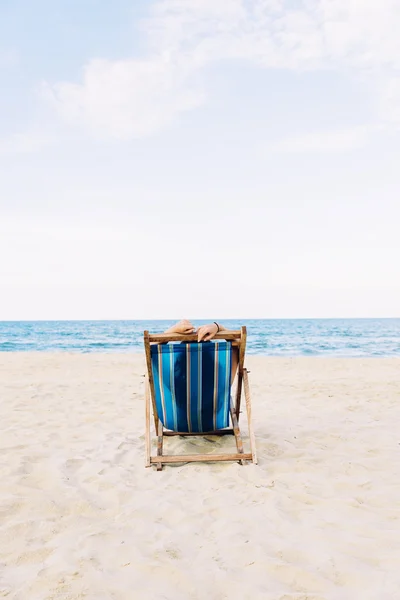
[
  {"x": 207, "y": 332},
  {"x": 184, "y": 327}
]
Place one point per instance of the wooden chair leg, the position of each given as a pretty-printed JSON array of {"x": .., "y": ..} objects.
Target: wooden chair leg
[
  {"x": 249, "y": 420},
  {"x": 242, "y": 350},
  {"x": 238, "y": 394},
  {"x": 236, "y": 431},
  {"x": 160, "y": 444},
  {"x": 147, "y": 423}
]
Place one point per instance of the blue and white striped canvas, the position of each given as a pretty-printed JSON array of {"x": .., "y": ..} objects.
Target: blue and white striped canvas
[{"x": 192, "y": 385}]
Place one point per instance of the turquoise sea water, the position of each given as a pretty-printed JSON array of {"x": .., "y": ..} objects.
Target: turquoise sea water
[{"x": 274, "y": 337}]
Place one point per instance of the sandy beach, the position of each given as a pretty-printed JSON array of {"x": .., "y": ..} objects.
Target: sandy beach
[{"x": 80, "y": 516}]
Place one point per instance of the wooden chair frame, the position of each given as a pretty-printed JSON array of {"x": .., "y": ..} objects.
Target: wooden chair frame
[{"x": 238, "y": 339}]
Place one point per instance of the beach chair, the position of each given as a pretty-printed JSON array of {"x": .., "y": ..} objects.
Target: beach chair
[{"x": 188, "y": 385}]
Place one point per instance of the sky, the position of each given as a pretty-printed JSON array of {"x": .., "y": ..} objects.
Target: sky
[{"x": 199, "y": 159}]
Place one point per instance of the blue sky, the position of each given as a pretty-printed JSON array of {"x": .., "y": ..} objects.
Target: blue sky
[{"x": 224, "y": 158}]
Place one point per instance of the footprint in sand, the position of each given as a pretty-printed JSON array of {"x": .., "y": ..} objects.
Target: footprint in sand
[
  {"x": 73, "y": 464},
  {"x": 273, "y": 450}
]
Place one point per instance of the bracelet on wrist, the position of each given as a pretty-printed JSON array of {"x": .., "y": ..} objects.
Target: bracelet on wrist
[{"x": 215, "y": 322}]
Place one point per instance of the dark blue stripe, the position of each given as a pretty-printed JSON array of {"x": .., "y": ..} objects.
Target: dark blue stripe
[
  {"x": 207, "y": 380},
  {"x": 194, "y": 378}
]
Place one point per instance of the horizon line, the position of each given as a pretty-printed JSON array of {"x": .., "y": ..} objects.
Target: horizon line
[{"x": 53, "y": 320}]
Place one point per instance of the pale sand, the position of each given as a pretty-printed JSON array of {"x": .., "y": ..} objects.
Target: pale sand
[{"x": 80, "y": 516}]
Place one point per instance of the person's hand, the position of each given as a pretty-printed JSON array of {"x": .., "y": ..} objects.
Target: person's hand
[
  {"x": 207, "y": 332},
  {"x": 183, "y": 326}
]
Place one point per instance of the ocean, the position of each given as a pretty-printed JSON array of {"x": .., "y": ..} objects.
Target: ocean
[{"x": 271, "y": 337}]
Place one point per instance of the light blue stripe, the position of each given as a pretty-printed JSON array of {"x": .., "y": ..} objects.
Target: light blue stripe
[
  {"x": 168, "y": 400},
  {"x": 172, "y": 386},
  {"x": 223, "y": 388}
]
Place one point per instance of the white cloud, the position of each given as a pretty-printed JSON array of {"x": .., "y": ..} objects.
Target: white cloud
[
  {"x": 362, "y": 33},
  {"x": 134, "y": 98},
  {"x": 328, "y": 141},
  {"x": 127, "y": 98}
]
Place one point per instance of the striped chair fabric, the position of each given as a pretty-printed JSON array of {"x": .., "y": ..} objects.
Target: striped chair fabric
[{"x": 192, "y": 385}]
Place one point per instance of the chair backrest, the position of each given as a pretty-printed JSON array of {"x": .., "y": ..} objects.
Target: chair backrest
[{"x": 192, "y": 384}]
